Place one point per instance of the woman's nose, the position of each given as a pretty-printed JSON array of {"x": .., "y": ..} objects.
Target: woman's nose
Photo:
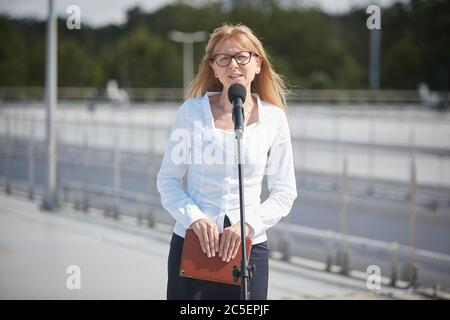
[{"x": 233, "y": 63}]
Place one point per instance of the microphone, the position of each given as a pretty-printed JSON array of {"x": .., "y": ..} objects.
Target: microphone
[{"x": 236, "y": 95}]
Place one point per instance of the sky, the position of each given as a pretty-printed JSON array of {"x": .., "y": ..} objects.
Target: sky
[{"x": 102, "y": 12}]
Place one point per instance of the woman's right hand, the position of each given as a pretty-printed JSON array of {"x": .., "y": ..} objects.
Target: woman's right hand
[{"x": 208, "y": 235}]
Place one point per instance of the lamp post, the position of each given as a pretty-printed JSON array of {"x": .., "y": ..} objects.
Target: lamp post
[
  {"x": 374, "y": 46},
  {"x": 188, "y": 40},
  {"x": 49, "y": 201}
]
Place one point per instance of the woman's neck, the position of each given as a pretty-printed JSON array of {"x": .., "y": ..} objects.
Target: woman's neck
[{"x": 228, "y": 107}]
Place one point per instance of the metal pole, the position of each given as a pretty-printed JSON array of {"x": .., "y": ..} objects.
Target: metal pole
[
  {"x": 188, "y": 64},
  {"x": 412, "y": 270},
  {"x": 374, "y": 70},
  {"x": 338, "y": 148},
  {"x": 117, "y": 176},
  {"x": 85, "y": 173},
  {"x": 31, "y": 162},
  {"x": 393, "y": 257},
  {"x": 413, "y": 192},
  {"x": 8, "y": 156},
  {"x": 188, "y": 40},
  {"x": 49, "y": 202},
  {"x": 374, "y": 58},
  {"x": 343, "y": 221},
  {"x": 413, "y": 216},
  {"x": 245, "y": 274},
  {"x": 371, "y": 155},
  {"x": 441, "y": 173},
  {"x": 151, "y": 155}
]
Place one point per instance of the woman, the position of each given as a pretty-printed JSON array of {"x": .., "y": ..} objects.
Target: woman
[{"x": 202, "y": 144}]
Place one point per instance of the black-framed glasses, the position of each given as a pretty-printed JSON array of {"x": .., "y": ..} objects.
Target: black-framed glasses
[{"x": 242, "y": 58}]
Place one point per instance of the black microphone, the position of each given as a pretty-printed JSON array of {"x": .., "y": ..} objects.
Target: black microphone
[{"x": 236, "y": 95}]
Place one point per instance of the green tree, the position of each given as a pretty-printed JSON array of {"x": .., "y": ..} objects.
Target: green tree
[
  {"x": 13, "y": 68},
  {"x": 144, "y": 59}
]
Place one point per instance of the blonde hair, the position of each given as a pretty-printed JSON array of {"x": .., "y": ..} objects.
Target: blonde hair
[{"x": 267, "y": 84}]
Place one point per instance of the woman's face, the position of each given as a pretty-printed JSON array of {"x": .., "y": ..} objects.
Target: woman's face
[{"x": 228, "y": 70}]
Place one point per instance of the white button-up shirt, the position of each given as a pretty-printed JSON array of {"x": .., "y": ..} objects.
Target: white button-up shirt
[{"x": 209, "y": 157}]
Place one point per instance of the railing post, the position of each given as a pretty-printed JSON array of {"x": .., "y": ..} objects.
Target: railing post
[
  {"x": 393, "y": 258},
  {"x": 329, "y": 251},
  {"x": 305, "y": 145},
  {"x": 31, "y": 162},
  {"x": 337, "y": 149},
  {"x": 413, "y": 223},
  {"x": 151, "y": 185},
  {"x": 117, "y": 177},
  {"x": 139, "y": 217},
  {"x": 343, "y": 254},
  {"x": 51, "y": 97},
  {"x": 441, "y": 182},
  {"x": 371, "y": 156},
  {"x": 57, "y": 167},
  {"x": 8, "y": 156},
  {"x": 285, "y": 243},
  {"x": 85, "y": 174}
]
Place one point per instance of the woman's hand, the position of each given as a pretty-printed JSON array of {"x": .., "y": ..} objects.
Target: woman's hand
[
  {"x": 231, "y": 240},
  {"x": 208, "y": 235}
]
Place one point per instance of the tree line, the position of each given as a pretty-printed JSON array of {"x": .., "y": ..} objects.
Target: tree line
[{"x": 310, "y": 48}]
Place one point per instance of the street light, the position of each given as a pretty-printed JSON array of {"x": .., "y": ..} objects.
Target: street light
[
  {"x": 51, "y": 73},
  {"x": 188, "y": 39},
  {"x": 374, "y": 49}
]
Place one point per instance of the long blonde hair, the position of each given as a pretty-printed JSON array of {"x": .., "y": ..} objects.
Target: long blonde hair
[{"x": 267, "y": 84}]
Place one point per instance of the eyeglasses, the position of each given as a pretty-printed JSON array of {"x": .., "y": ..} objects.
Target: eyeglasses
[{"x": 242, "y": 58}]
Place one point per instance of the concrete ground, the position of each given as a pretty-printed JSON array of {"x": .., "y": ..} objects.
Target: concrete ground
[{"x": 121, "y": 260}]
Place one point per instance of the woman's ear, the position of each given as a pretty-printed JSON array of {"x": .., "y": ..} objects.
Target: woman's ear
[{"x": 258, "y": 64}]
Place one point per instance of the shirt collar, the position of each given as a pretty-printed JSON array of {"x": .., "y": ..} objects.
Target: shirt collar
[{"x": 208, "y": 113}]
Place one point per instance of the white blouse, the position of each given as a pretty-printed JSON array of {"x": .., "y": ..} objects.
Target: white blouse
[{"x": 209, "y": 157}]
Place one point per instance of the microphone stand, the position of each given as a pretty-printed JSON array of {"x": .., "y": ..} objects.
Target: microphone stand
[{"x": 246, "y": 271}]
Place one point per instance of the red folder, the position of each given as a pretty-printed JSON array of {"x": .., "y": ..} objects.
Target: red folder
[{"x": 196, "y": 264}]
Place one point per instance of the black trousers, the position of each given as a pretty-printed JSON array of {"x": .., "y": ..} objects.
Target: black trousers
[{"x": 180, "y": 288}]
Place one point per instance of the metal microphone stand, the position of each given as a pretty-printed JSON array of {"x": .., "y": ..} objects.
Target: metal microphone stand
[{"x": 246, "y": 271}]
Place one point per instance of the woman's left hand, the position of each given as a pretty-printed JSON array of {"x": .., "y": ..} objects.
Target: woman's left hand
[{"x": 231, "y": 240}]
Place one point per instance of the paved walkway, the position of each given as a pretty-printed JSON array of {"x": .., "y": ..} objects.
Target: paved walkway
[{"x": 120, "y": 260}]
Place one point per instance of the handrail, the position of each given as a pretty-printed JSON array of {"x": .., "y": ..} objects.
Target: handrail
[{"x": 176, "y": 94}]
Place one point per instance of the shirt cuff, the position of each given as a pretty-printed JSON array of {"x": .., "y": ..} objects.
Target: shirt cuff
[
  {"x": 192, "y": 214},
  {"x": 255, "y": 221},
  {"x": 252, "y": 218}
]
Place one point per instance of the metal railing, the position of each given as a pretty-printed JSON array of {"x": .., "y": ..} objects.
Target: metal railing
[
  {"x": 390, "y": 190},
  {"x": 332, "y": 248},
  {"x": 340, "y": 96}
]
